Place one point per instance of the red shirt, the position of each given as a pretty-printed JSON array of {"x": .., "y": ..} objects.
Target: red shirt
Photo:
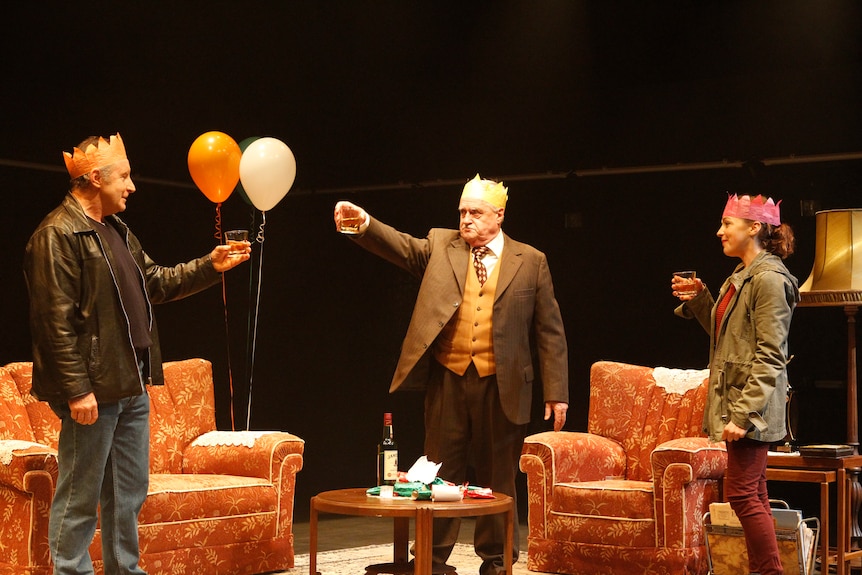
[{"x": 722, "y": 307}]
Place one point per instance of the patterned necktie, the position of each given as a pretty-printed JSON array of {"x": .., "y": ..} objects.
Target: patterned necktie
[{"x": 481, "y": 270}]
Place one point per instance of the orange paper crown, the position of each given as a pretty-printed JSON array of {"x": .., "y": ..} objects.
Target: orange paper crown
[
  {"x": 758, "y": 209},
  {"x": 81, "y": 162}
]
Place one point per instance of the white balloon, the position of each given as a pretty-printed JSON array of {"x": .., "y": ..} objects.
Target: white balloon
[{"x": 267, "y": 169}]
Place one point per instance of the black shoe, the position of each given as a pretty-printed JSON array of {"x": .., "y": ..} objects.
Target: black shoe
[{"x": 436, "y": 568}]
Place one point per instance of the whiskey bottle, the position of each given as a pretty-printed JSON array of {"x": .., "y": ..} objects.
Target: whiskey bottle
[{"x": 387, "y": 455}]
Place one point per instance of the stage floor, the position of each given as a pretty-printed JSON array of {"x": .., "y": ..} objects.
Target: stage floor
[{"x": 339, "y": 532}]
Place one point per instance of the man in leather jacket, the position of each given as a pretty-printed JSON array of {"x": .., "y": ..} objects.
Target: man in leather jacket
[{"x": 96, "y": 347}]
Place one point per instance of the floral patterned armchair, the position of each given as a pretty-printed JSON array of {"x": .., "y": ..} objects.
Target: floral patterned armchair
[
  {"x": 218, "y": 501},
  {"x": 629, "y": 495}
]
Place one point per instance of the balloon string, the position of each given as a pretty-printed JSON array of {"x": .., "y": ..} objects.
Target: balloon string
[
  {"x": 218, "y": 236},
  {"x": 248, "y": 329},
  {"x": 260, "y": 239}
]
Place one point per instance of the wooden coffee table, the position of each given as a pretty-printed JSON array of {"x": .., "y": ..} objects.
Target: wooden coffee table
[{"x": 357, "y": 502}]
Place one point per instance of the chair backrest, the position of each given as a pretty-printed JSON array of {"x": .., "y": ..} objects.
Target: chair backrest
[
  {"x": 14, "y": 420},
  {"x": 180, "y": 411},
  {"x": 43, "y": 421},
  {"x": 627, "y": 405}
]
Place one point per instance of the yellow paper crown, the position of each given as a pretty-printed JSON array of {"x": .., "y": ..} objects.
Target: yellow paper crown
[
  {"x": 81, "y": 162},
  {"x": 492, "y": 192}
]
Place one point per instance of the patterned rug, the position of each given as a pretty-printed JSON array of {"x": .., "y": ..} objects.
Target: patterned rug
[{"x": 354, "y": 560}]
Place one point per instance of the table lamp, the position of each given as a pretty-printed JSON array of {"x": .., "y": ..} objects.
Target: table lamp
[{"x": 836, "y": 280}]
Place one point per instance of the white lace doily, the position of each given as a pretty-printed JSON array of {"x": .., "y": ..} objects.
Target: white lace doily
[
  {"x": 7, "y": 446},
  {"x": 679, "y": 380},
  {"x": 244, "y": 438}
]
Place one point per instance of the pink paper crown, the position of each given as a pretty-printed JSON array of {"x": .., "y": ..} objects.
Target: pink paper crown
[{"x": 756, "y": 209}]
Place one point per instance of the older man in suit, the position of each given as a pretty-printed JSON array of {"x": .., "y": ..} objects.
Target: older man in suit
[{"x": 485, "y": 318}]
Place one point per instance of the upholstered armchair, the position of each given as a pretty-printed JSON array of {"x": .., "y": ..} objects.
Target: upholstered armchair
[
  {"x": 219, "y": 502},
  {"x": 627, "y": 496}
]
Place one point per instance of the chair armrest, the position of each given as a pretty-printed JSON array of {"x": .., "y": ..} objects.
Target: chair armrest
[
  {"x": 686, "y": 477},
  {"x": 556, "y": 457},
  {"x": 707, "y": 459},
  {"x": 18, "y": 458},
  {"x": 267, "y": 455},
  {"x": 28, "y": 474},
  {"x": 568, "y": 456}
]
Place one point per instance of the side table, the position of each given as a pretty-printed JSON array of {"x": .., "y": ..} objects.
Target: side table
[
  {"x": 823, "y": 470},
  {"x": 356, "y": 502}
]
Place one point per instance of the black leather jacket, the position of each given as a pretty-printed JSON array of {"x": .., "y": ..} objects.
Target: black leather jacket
[{"x": 81, "y": 336}]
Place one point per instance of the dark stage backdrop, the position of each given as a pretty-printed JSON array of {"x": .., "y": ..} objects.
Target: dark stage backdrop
[
  {"x": 331, "y": 316},
  {"x": 370, "y": 94}
]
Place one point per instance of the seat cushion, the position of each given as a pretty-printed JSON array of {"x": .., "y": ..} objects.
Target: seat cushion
[
  {"x": 183, "y": 497},
  {"x": 609, "y": 498},
  {"x": 615, "y": 512},
  {"x": 192, "y": 510}
]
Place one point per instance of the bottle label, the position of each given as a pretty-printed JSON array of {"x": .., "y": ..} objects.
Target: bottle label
[{"x": 390, "y": 465}]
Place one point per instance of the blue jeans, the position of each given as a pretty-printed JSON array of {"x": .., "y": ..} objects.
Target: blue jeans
[{"x": 105, "y": 464}]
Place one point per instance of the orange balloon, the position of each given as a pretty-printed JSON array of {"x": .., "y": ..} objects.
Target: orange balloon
[{"x": 214, "y": 165}]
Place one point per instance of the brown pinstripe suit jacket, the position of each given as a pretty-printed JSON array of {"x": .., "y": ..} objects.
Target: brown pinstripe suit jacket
[{"x": 526, "y": 314}]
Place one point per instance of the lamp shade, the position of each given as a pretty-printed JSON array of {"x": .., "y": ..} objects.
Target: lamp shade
[{"x": 837, "y": 271}]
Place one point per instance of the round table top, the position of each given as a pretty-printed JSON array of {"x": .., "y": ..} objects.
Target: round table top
[{"x": 356, "y": 501}]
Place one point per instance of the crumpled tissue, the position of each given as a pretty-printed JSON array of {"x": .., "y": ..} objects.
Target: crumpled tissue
[{"x": 423, "y": 471}]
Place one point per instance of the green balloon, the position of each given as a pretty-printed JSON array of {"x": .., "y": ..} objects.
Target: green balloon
[{"x": 239, "y": 189}]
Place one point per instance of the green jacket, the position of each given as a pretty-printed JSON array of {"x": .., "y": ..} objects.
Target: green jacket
[{"x": 748, "y": 356}]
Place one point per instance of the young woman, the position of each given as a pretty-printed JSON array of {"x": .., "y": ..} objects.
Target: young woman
[{"x": 748, "y": 325}]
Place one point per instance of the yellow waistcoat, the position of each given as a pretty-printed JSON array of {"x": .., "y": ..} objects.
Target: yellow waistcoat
[{"x": 469, "y": 335}]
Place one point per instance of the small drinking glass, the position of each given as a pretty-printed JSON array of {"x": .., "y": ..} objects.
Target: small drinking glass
[
  {"x": 236, "y": 240},
  {"x": 351, "y": 220},
  {"x": 688, "y": 286}
]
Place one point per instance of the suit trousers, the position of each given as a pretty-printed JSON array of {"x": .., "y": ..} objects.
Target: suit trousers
[{"x": 465, "y": 427}]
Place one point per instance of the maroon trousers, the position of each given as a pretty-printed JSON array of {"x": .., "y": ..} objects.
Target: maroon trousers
[{"x": 745, "y": 489}]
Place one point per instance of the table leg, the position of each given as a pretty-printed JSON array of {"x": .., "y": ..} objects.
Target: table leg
[
  {"x": 854, "y": 500},
  {"x": 401, "y": 540},
  {"x": 510, "y": 535},
  {"x": 312, "y": 540},
  {"x": 400, "y": 550},
  {"x": 424, "y": 540},
  {"x": 842, "y": 520},
  {"x": 824, "y": 525}
]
